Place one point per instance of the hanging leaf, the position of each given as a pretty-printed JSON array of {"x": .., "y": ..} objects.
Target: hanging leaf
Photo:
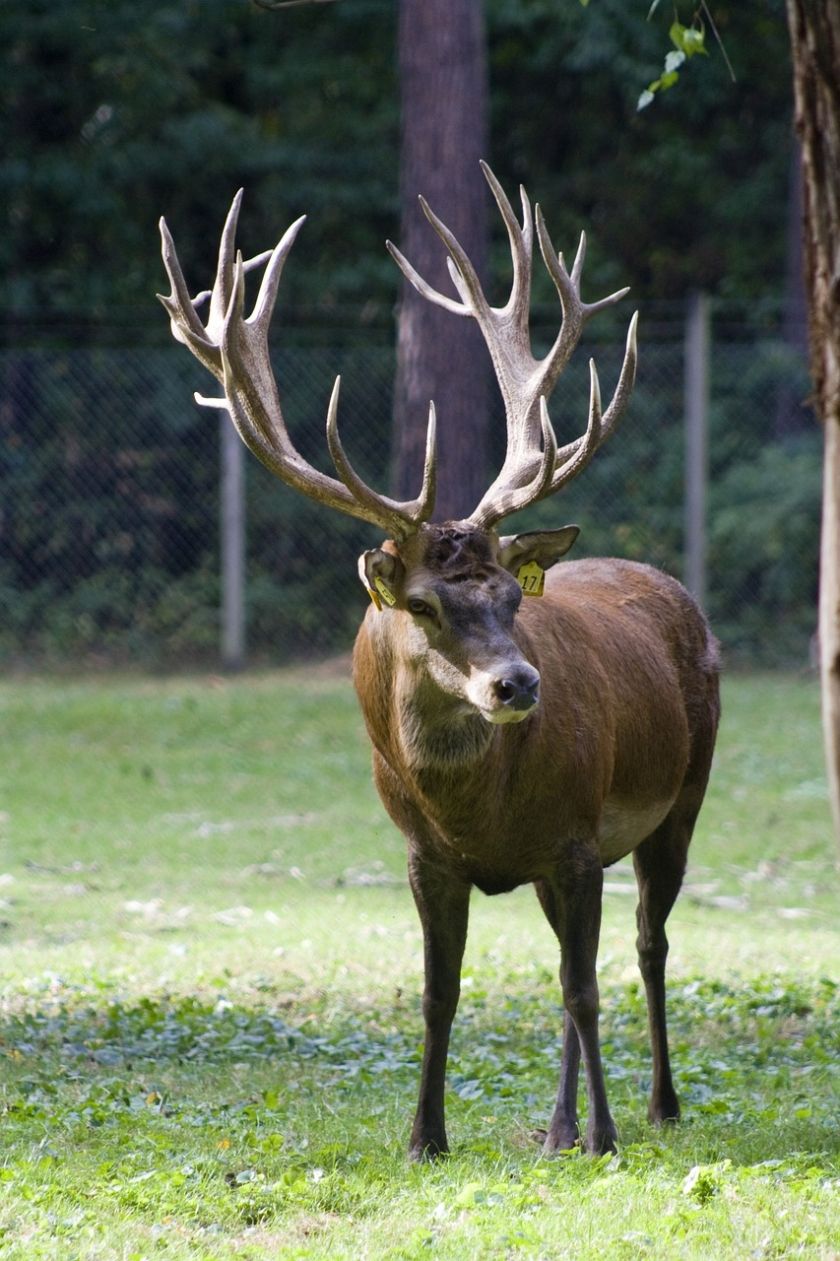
[
  {"x": 694, "y": 41},
  {"x": 689, "y": 40}
]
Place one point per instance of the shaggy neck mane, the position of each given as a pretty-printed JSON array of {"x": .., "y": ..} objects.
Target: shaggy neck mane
[{"x": 435, "y": 739}]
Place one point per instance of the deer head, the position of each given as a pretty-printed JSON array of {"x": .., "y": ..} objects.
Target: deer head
[{"x": 418, "y": 570}]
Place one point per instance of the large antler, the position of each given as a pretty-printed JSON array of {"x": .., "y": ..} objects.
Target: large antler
[
  {"x": 235, "y": 349},
  {"x": 534, "y": 466}
]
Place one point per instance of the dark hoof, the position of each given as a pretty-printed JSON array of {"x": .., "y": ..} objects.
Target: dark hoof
[
  {"x": 664, "y": 1113},
  {"x": 564, "y": 1139},
  {"x": 600, "y": 1143},
  {"x": 425, "y": 1153}
]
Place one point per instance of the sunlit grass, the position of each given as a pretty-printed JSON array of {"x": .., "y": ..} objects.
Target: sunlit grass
[{"x": 209, "y": 1006}]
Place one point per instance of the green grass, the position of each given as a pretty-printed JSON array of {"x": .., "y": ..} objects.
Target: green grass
[{"x": 209, "y": 999}]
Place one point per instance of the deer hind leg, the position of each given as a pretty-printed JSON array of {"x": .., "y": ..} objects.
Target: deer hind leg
[
  {"x": 572, "y": 904},
  {"x": 660, "y": 865}
]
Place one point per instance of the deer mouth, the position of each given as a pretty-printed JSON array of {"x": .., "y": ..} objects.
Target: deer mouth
[
  {"x": 506, "y": 695},
  {"x": 499, "y": 717}
]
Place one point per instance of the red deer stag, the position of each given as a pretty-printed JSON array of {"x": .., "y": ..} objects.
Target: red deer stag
[{"x": 534, "y": 744}]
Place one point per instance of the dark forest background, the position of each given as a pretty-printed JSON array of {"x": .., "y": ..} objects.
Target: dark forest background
[{"x": 114, "y": 113}]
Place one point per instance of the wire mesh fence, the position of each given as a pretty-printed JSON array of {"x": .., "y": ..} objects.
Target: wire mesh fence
[{"x": 110, "y": 477}]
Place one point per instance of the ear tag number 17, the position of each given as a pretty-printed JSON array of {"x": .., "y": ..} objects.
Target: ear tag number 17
[{"x": 531, "y": 578}]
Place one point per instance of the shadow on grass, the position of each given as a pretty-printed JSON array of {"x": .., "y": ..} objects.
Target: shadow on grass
[{"x": 755, "y": 1066}]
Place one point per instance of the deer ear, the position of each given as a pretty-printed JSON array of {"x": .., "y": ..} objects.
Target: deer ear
[
  {"x": 543, "y": 546},
  {"x": 381, "y": 573}
]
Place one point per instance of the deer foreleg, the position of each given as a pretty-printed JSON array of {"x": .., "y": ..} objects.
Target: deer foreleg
[
  {"x": 563, "y": 1131},
  {"x": 443, "y": 905}
]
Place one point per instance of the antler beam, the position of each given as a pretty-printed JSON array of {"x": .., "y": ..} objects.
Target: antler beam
[
  {"x": 234, "y": 347},
  {"x": 534, "y": 467}
]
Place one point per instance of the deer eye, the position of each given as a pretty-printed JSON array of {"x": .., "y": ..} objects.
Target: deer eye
[{"x": 420, "y": 608}]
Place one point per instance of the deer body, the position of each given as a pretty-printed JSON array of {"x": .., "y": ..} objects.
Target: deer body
[
  {"x": 613, "y": 759},
  {"x": 514, "y": 741},
  {"x": 626, "y": 667}
]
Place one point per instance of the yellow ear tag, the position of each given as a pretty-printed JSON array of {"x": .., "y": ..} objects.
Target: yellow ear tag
[
  {"x": 385, "y": 592},
  {"x": 531, "y": 578}
]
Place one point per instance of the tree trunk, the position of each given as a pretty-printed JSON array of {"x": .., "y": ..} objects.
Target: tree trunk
[
  {"x": 815, "y": 38},
  {"x": 441, "y": 356}
]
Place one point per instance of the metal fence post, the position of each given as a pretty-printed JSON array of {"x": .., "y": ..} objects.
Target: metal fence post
[
  {"x": 697, "y": 341},
  {"x": 232, "y": 508}
]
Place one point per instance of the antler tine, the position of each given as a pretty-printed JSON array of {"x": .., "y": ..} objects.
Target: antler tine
[
  {"x": 577, "y": 265},
  {"x": 267, "y": 296},
  {"x": 521, "y": 240},
  {"x": 493, "y": 509},
  {"x": 526, "y": 382},
  {"x": 183, "y": 310},
  {"x": 184, "y": 322},
  {"x": 568, "y": 290},
  {"x": 417, "y": 510},
  {"x": 225, "y": 281},
  {"x": 591, "y": 440},
  {"x": 575, "y": 310},
  {"x": 464, "y": 275},
  {"x": 626, "y": 379},
  {"x": 423, "y": 288},
  {"x": 608, "y": 421},
  {"x": 460, "y": 269},
  {"x": 250, "y": 264},
  {"x": 235, "y": 349}
]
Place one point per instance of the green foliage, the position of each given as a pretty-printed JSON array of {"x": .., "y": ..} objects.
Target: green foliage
[
  {"x": 109, "y": 478},
  {"x": 764, "y": 550},
  {"x": 688, "y": 41},
  {"x": 116, "y": 113},
  {"x": 111, "y": 541},
  {"x": 685, "y": 197},
  {"x": 111, "y": 534}
]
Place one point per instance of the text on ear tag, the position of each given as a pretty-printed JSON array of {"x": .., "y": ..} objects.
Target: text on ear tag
[
  {"x": 385, "y": 591},
  {"x": 531, "y": 578}
]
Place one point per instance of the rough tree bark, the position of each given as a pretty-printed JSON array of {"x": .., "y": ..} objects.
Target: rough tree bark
[
  {"x": 443, "y": 84},
  {"x": 815, "y": 39}
]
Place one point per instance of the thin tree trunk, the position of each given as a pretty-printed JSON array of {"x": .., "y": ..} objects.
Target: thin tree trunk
[
  {"x": 829, "y": 632},
  {"x": 439, "y": 355},
  {"x": 815, "y": 39}
]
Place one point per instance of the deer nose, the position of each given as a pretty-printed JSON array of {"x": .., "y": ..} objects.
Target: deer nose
[{"x": 520, "y": 689}]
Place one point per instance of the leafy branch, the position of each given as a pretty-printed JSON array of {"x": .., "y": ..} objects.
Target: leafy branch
[{"x": 689, "y": 41}]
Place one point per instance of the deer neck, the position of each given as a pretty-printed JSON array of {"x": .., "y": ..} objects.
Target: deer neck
[{"x": 415, "y": 725}]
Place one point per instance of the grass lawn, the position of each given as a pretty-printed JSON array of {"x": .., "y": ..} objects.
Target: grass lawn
[{"x": 210, "y": 983}]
